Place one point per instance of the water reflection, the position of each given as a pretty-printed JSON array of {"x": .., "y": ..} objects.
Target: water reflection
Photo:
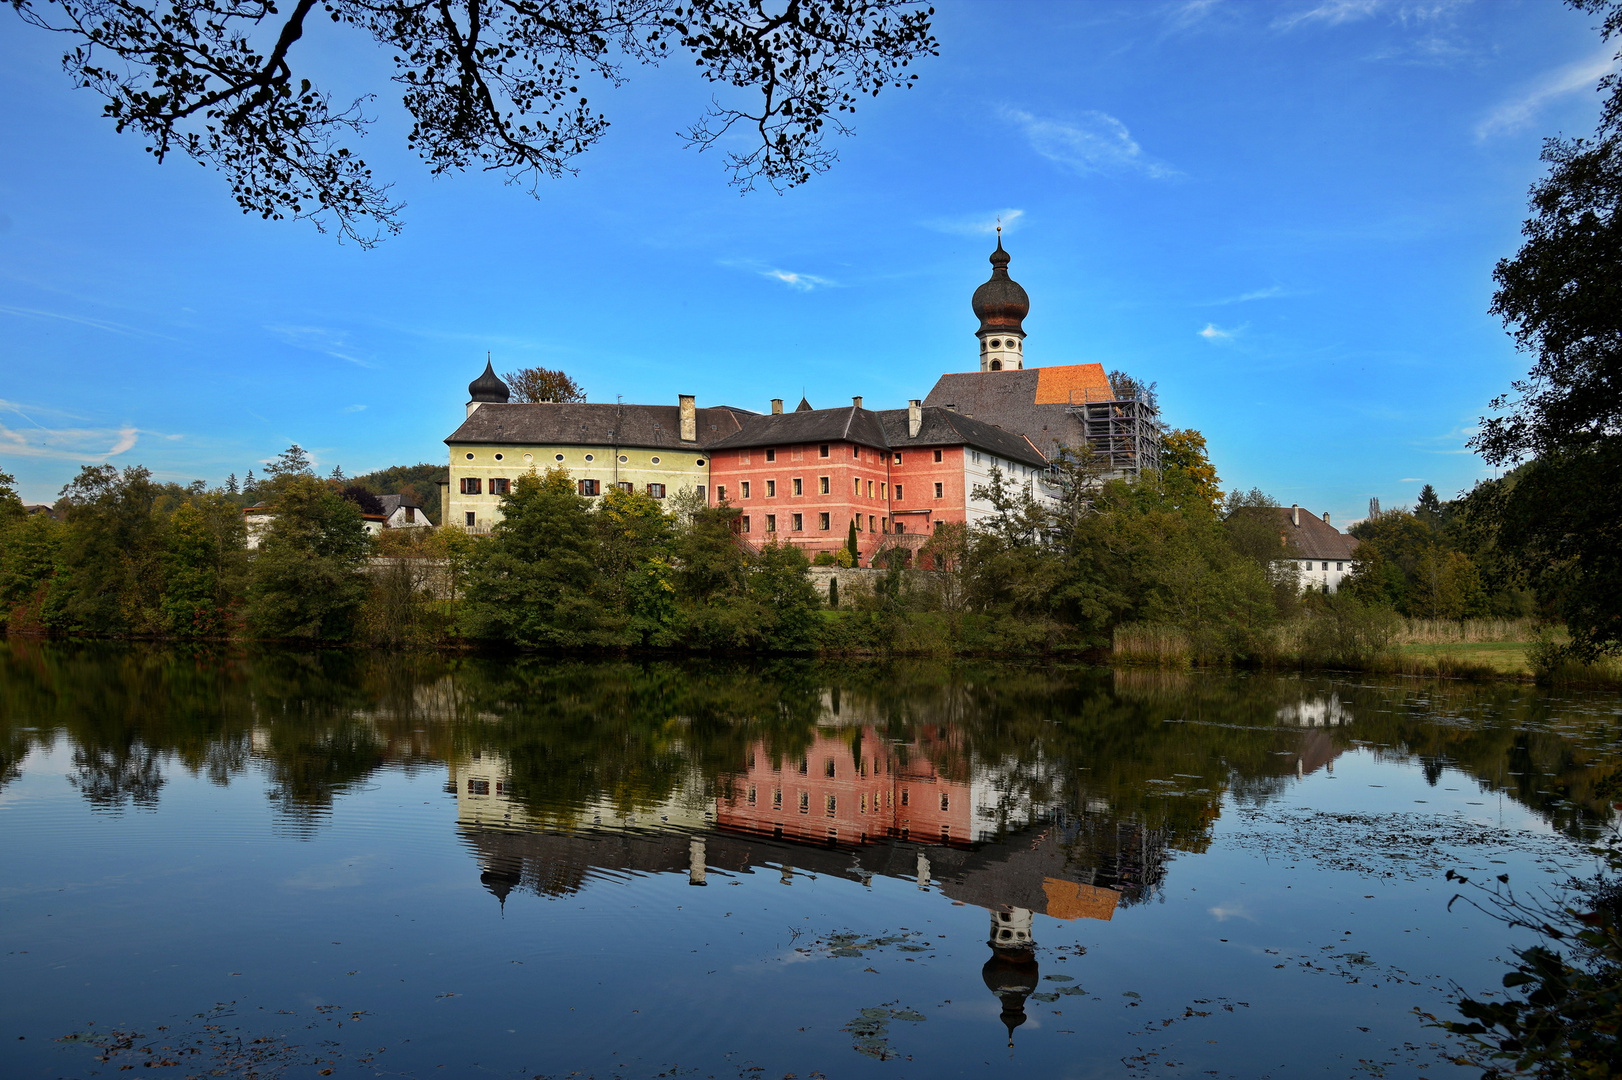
[
  {"x": 951, "y": 756},
  {"x": 1022, "y": 791}
]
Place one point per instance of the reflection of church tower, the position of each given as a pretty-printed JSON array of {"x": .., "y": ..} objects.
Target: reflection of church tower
[
  {"x": 1012, "y": 971},
  {"x": 501, "y": 877},
  {"x": 1001, "y": 306}
]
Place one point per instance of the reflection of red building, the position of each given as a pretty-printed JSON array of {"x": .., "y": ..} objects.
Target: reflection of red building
[{"x": 848, "y": 789}]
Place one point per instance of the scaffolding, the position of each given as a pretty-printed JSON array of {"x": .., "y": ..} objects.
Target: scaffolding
[{"x": 1122, "y": 429}]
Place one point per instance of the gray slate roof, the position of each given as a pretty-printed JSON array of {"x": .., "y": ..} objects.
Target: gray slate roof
[
  {"x": 1313, "y": 538},
  {"x": 943, "y": 427},
  {"x": 848, "y": 424},
  {"x": 1007, "y": 399},
  {"x": 590, "y": 424},
  {"x": 391, "y": 503}
]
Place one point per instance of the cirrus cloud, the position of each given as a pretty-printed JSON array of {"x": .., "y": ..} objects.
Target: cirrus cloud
[
  {"x": 797, "y": 281},
  {"x": 1092, "y": 142}
]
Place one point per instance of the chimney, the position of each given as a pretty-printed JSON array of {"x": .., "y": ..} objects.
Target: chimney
[
  {"x": 777, "y": 406},
  {"x": 915, "y": 417},
  {"x": 1295, "y": 515},
  {"x": 689, "y": 418},
  {"x": 857, "y": 401},
  {"x": 1326, "y": 517}
]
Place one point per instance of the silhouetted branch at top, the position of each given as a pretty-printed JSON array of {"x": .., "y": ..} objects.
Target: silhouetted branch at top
[{"x": 489, "y": 83}]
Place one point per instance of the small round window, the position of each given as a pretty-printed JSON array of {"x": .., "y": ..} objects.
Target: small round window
[
  {"x": 557, "y": 457},
  {"x": 699, "y": 462},
  {"x": 498, "y": 457},
  {"x": 624, "y": 459},
  {"x": 656, "y": 461},
  {"x": 470, "y": 457},
  {"x": 995, "y": 344},
  {"x": 589, "y": 457},
  {"x": 529, "y": 457}
]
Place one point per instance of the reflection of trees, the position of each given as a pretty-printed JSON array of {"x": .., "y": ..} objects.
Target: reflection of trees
[
  {"x": 1151, "y": 749},
  {"x": 110, "y": 776}
]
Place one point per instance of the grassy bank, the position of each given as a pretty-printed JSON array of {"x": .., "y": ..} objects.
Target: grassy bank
[{"x": 1516, "y": 649}]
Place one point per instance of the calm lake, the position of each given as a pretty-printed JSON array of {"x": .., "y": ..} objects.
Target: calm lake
[{"x": 287, "y": 864}]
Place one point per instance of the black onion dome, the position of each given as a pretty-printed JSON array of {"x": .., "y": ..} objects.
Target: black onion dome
[
  {"x": 1000, "y": 304},
  {"x": 1011, "y": 974},
  {"x": 488, "y": 387}
]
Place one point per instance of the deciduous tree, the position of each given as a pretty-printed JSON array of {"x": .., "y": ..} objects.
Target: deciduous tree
[
  {"x": 1561, "y": 298},
  {"x": 543, "y": 384}
]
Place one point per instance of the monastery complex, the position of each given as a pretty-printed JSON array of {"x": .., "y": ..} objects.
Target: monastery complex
[{"x": 804, "y": 476}]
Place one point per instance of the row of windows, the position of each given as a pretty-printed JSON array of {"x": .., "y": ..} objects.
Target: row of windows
[
  {"x": 824, "y": 487},
  {"x": 624, "y": 459},
  {"x": 830, "y": 766},
  {"x": 1323, "y": 566},
  {"x": 830, "y": 803},
  {"x": 823, "y": 451},
  {"x": 482, "y": 787},
  {"x": 501, "y": 485},
  {"x": 875, "y": 523}
]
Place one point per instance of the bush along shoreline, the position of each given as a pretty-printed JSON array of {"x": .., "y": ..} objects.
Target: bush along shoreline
[{"x": 1163, "y": 570}]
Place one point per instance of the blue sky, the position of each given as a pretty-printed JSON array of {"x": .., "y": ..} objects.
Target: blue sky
[{"x": 1285, "y": 214}]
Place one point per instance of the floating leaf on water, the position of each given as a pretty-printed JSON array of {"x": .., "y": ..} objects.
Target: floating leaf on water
[{"x": 1060, "y": 978}]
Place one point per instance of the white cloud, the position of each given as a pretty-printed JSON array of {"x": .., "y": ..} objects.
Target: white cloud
[
  {"x": 1336, "y": 12},
  {"x": 1519, "y": 112},
  {"x": 1329, "y": 13},
  {"x": 798, "y": 282},
  {"x": 1213, "y": 332},
  {"x": 319, "y": 339},
  {"x": 1186, "y": 14},
  {"x": 68, "y": 444},
  {"x": 1094, "y": 142},
  {"x": 81, "y": 320},
  {"x": 978, "y": 224},
  {"x": 1255, "y": 294},
  {"x": 353, "y": 408},
  {"x": 1237, "y": 911}
]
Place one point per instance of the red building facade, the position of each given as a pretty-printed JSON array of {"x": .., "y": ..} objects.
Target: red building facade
[
  {"x": 845, "y": 793},
  {"x": 804, "y": 477}
]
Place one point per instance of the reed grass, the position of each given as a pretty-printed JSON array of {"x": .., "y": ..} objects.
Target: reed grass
[
  {"x": 1468, "y": 649},
  {"x": 1151, "y": 644},
  {"x": 1466, "y": 631}
]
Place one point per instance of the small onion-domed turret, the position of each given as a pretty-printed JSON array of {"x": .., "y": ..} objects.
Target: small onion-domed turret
[
  {"x": 488, "y": 387},
  {"x": 1000, "y": 304}
]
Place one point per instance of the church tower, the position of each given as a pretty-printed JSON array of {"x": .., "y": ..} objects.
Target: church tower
[{"x": 1001, "y": 306}]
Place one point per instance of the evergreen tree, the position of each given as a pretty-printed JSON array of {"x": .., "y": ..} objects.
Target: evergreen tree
[
  {"x": 1429, "y": 506},
  {"x": 850, "y": 544},
  {"x": 290, "y": 462},
  {"x": 250, "y": 486},
  {"x": 231, "y": 486}
]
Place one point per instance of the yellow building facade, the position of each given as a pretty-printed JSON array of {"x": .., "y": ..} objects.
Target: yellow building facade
[{"x": 658, "y": 450}]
